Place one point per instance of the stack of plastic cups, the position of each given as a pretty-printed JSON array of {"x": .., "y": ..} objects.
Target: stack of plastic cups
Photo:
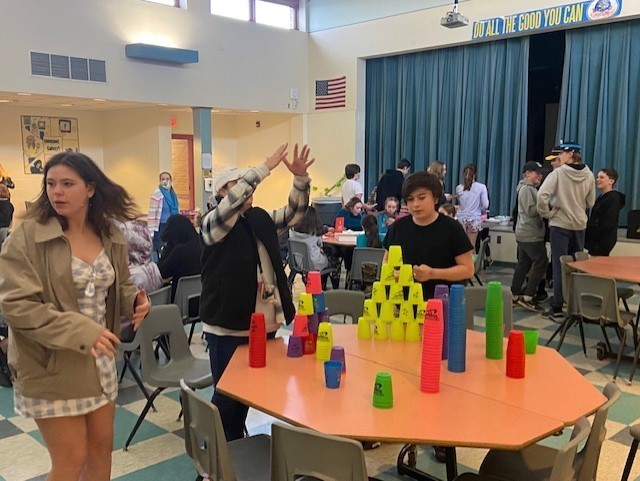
[
  {"x": 494, "y": 321},
  {"x": 442, "y": 293},
  {"x": 324, "y": 342},
  {"x": 314, "y": 283},
  {"x": 457, "y": 361},
  {"x": 432, "y": 347},
  {"x": 257, "y": 341},
  {"x": 515, "y": 355}
]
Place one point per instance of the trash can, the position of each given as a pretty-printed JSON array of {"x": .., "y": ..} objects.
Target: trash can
[{"x": 327, "y": 208}]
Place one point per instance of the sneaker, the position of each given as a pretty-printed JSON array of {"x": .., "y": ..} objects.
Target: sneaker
[
  {"x": 540, "y": 297},
  {"x": 515, "y": 299},
  {"x": 369, "y": 445},
  {"x": 529, "y": 304},
  {"x": 554, "y": 315}
]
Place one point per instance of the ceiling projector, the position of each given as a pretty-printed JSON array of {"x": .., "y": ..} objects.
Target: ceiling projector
[{"x": 454, "y": 19}]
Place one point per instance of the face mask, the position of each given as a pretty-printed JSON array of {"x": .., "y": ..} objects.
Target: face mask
[{"x": 166, "y": 184}]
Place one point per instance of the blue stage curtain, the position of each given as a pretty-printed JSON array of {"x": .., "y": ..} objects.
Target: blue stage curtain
[
  {"x": 600, "y": 101},
  {"x": 458, "y": 105}
]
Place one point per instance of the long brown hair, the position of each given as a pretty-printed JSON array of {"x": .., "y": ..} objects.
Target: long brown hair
[
  {"x": 437, "y": 168},
  {"x": 109, "y": 201},
  {"x": 469, "y": 175}
]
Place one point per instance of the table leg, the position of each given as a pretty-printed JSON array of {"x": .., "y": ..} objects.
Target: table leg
[{"x": 409, "y": 468}]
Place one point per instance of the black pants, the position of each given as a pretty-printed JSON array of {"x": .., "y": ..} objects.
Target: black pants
[{"x": 532, "y": 256}]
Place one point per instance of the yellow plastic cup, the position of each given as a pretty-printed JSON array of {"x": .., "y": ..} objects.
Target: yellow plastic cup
[
  {"x": 406, "y": 275},
  {"x": 378, "y": 292},
  {"x": 370, "y": 310},
  {"x": 397, "y": 330},
  {"x": 324, "y": 342},
  {"x": 421, "y": 312},
  {"x": 387, "y": 275},
  {"x": 364, "y": 328},
  {"x": 415, "y": 294},
  {"x": 413, "y": 332},
  {"x": 396, "y": 294},
  {"x": 387, "y": 311},
  {"x": 406, "y": 312},
  {"x": 395, "y": 256},
  {"x": 380, "y": 330},
  {"x": 305, "y": 304}
]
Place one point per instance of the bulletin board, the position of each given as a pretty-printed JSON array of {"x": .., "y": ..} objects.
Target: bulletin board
[{"x": 44, "y": 137}]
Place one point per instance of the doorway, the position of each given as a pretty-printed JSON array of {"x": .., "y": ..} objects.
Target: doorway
[{"x": 182, "y": 169}]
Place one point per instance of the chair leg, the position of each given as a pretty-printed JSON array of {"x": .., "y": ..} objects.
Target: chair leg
[
  {"x": 568, "y": 323},
  {"x": 632, "y": 455},
  {"x": 555, "y": 333},
  {"x": 626, "y": 306},
  {"x": 142, "y": 416},
  {"x": 606, "y": 338},
  {"x": 139, "y": 382},
  {"x": 620, "y": 350},
  {"x": 193, "y": 328},
  {"x": 478, "y": 279},
  {"x": 125, "y": 356},
  {"x": 581, "y": 327},
  {"x": 634, "y": 365}
]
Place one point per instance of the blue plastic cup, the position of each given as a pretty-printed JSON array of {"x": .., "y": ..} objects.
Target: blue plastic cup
[{"x": 332, "y": 374}]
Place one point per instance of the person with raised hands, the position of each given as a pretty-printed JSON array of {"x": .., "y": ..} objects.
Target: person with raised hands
[{"x": 242, "y": 271}]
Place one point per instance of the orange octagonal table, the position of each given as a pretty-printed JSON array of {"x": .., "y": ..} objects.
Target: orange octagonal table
[{"x": 478, "y": 408}]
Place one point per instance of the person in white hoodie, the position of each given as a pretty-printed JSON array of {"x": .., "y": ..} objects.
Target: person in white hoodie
[{"x": 564, "y": 198}]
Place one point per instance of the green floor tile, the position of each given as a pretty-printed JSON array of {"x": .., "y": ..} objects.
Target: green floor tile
[
  {"x": 625, "y": 411},
  {"x": 6, "y": 402},
  {"x": 178, "y": 468},
  {"x": 124, "y": 423}
]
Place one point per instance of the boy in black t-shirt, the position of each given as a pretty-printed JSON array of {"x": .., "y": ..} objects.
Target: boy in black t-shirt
[{"x": 435, "y": 245}]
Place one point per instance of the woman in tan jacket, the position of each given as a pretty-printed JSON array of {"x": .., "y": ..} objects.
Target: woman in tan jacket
[{"x": 64, "y": 284}]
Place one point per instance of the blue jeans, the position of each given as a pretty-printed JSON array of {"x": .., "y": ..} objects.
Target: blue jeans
[
  {"x": 157, "y": 242},
  {"x": 563, "y": 242},
  {"x": 233, "y": 413}
]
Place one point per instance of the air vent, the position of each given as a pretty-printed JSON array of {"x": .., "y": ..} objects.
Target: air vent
[
  {"x": 79, "y": 68},
  {"x": 61, "y": 66}
]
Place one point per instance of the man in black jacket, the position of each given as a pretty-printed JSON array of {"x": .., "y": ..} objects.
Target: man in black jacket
[
  {"x": 602, "y": 226},
  {"x": 390, "y": 184},
  {"x": 242, "y": 271}
]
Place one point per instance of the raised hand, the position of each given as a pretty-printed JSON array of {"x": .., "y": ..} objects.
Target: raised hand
[
  {"x": 141, "y": 309},
  {"x": 106, "y": 344},
  {"x": 278, "y": 156},
  {"x": 300, "y": 163}
]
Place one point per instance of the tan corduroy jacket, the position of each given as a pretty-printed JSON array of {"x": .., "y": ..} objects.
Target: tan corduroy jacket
[{"x": 50, "y": 341}]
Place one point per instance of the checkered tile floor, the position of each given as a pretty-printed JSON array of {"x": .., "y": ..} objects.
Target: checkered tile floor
[{"x": 158, "y": 449}]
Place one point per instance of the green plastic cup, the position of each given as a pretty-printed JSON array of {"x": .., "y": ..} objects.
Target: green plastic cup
[
  {"x": 383, "y": 391},
  {"x": 530, "y": 341}
]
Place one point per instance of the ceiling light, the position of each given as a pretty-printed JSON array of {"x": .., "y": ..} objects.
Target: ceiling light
[
  {"x": 163, "y": 105},
  {"x": 100, "y": 100},
  {"x": 215, "y": 111},
  {"x": 254, "y": 111},
  {"x": 24, "y": 94},
  {"x": 5, "y": 101},
  {"x": 66, "y": 105}
]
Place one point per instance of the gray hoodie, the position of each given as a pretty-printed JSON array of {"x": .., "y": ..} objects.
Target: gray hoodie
[
  {"x": 571, "y": 189},
  {"x": 530, "y": 227}
]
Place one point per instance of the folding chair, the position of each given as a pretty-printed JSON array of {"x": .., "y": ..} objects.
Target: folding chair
[
  {"x": 475, "y": 300},
  {"x": 187, "y": 299},
  {"x": 478, "y": 264},
  {"x": 362, "y": 255},
  {"x": 537, "y": 461},
  {"x": 245, "y": 459},
  {"x": 567, "y": 270},
  {"x": 300, "y": 262},
  {"x": 594, "y": 299},
  {"x": 196, "y": 373},
  {"x": 347, "y": 303},
  {"x": 302, "y": 452},
  {"x": 635, "y": 434}
]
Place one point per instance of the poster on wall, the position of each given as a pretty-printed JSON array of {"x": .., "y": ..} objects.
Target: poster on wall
[{"x": 44, "y": 137}]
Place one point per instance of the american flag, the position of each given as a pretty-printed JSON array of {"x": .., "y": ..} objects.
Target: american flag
[{"x": 331, "y": 93}]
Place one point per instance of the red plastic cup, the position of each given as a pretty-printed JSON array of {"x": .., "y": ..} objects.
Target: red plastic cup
[
  {"x": 314, "y": 283},
  {"x": 295, "y": 349},
  {"x": 339, "y": 224},
  {"x": 516, "y": 355},
  {"x": 432, "y": 347},
  {"x": 301, "y": 325},
  {"x": 309, "y": 344},
  {"x": 257, "y": 341}
]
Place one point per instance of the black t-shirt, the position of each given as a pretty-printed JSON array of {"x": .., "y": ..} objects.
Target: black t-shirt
[{"x": 436, "y": 245}]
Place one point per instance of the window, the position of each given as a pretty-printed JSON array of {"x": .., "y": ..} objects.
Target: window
[
  {"x": 276, "y": 13},
  {"x": 171, "y": 3}
]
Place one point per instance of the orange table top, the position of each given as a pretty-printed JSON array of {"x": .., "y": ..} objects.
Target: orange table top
[
  {"x": 335, "y": 242},
  {"x": 549, "y": 377},
  {"x": 622, "y": 268},
  {"x": 480, "y": 408}
]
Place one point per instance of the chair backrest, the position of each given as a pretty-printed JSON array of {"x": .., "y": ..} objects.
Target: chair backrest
[
  {"x": 581, "y": 256},
  {"x": 479, "y": 262},
  {"x": 348, "y": 303},
  {"x": 204, "y": 438},
  {"x": 163, "y": 321},
  {"x": 299, "y": 452},
  {"x": 566, "y": 276},
  {"x": 475, "y": 298},
  {"x": 189, "y": 287},
  {"x": 564, "y": 467},
  {"x": 362, "y": 255},
  {"x": 588, "y": 458},
  {"x": 161, "y": 296},
  {"x": 299, "y": 259},
  {"x": 595, "y": 298}
]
